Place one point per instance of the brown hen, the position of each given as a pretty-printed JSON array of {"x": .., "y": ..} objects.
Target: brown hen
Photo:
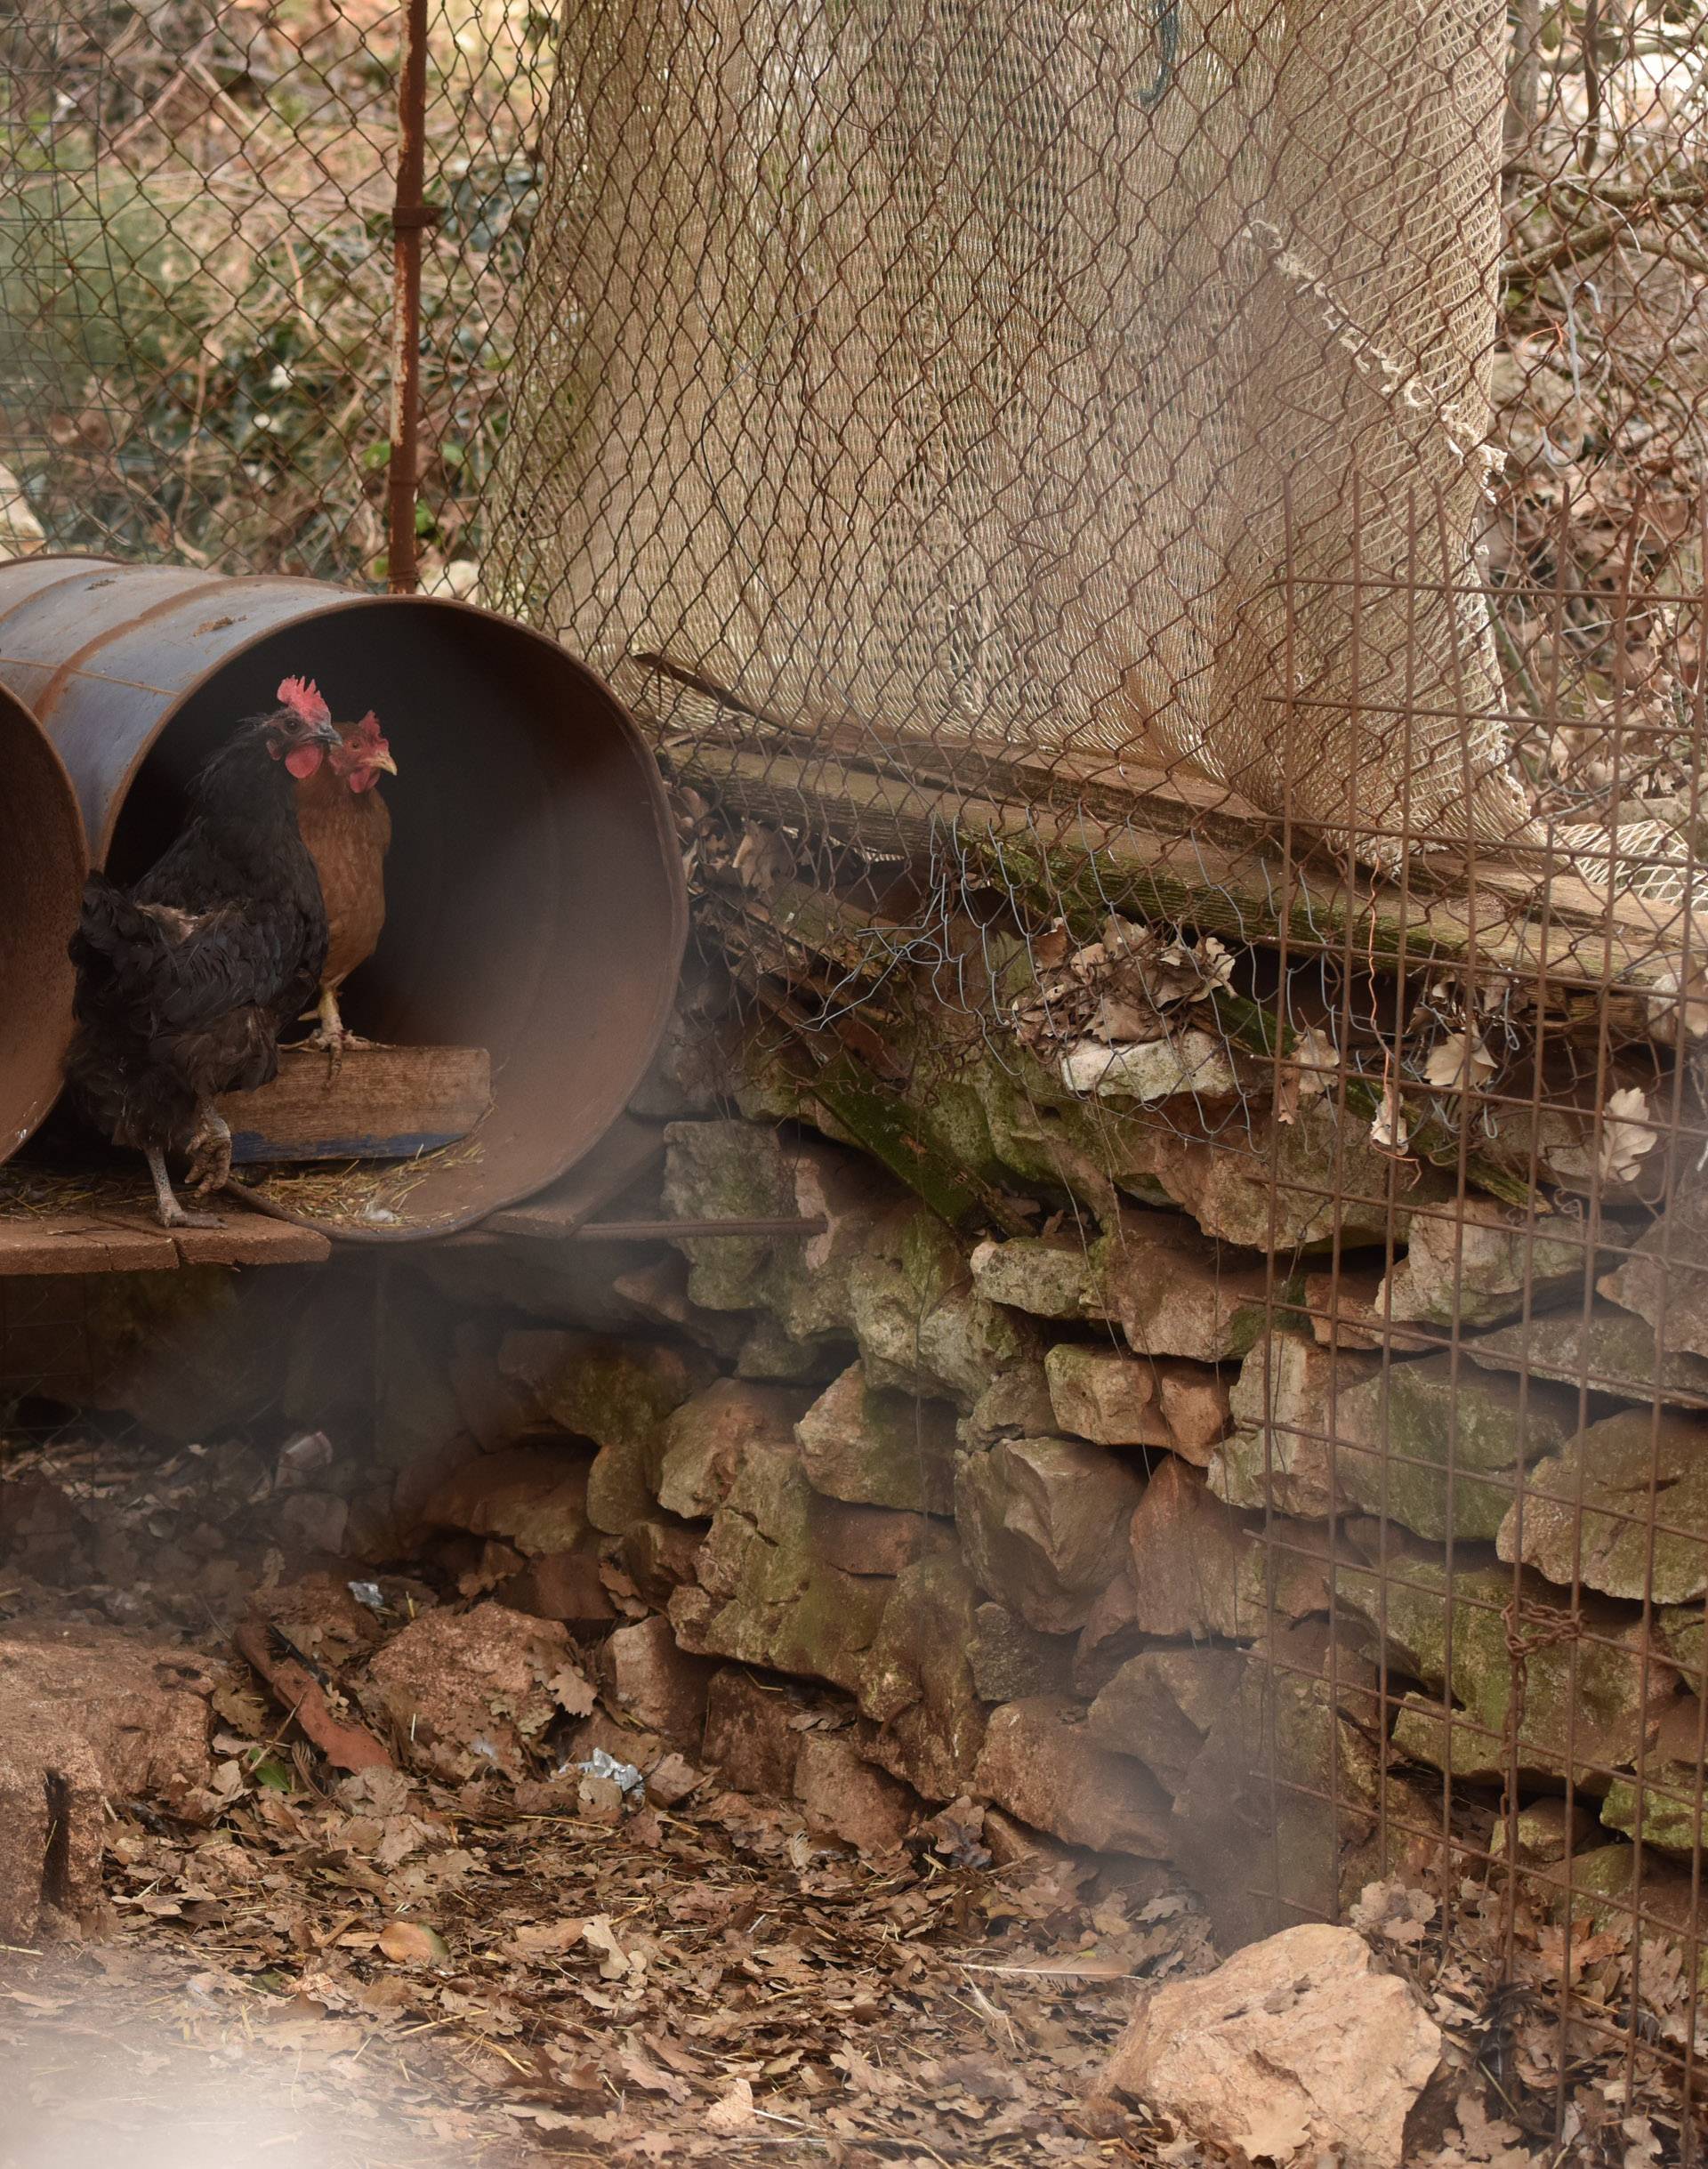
[{"x": 346, "y": 827}]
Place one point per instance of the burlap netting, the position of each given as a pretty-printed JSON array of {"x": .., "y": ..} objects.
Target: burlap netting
[{"x": 1011, "y": 371}]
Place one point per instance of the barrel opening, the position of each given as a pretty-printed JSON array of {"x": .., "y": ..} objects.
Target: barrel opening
[{"x": 43, "y": 860}]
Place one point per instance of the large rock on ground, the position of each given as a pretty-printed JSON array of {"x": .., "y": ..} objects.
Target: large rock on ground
[
  {"x": 874, "y": 1447},
  {"x": 88, "y": 1717},
  {"x": 1041, "y": 1763},
  {"x": 845, "y": 1798},
  {"x": 472, "y": 1690},
  {"x": 662, "y": 1688},
  {"x": 1437, "y": 1444},
  {"x": 1299, "y": 2047},
  {"x": 1043, "y": 1522},
  {"x": 704, "y": 1439},
  {"x": 1641, "y": 1480},
  {"x": 753, "y": 1731},
  {"x": 533, "y": 1496}
]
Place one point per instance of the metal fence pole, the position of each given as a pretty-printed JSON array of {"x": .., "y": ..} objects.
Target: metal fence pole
[{"x": 410, "y": 216}]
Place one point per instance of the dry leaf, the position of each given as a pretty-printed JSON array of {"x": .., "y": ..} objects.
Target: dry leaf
[
  {"x": 408, "y": 1943},
  {"x": 1627, "y": 1134},
  {"x": 1459, "y": 1060},
  {"x": 1390, "y": 1131},
  {"x": 732, "y": 2112}
]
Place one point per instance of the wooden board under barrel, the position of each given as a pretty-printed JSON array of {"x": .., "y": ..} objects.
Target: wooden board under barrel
[{"x": 384, "y": 1103}]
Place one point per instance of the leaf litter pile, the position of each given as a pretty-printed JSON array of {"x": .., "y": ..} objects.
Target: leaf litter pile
[{"x": 409, "y": 1900}]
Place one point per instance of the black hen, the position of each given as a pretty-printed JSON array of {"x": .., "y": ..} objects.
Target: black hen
[{"x": 184, "y": 983}]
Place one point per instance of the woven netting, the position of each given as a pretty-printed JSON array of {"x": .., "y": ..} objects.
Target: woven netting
[{"x": 1026, "y": 372}]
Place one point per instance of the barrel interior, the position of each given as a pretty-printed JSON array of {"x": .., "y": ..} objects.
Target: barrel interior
[
  {"x": 534, "y": 902},
  {"x": 43, "y": 860}
]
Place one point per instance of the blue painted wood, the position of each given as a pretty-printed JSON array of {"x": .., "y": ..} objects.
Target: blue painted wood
[{"x": 250, "y": 1147}]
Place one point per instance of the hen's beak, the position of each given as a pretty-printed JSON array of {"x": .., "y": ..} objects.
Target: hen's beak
[
  {"x": 323, "y": 734},
  {"x": 384, "y": 760}
]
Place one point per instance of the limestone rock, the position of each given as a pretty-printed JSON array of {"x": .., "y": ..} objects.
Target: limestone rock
[
  {"x": 771, "y": 1355},
  {"x": 750, "y": 1732},
  {"x": 1345, "y": 1310},
  {"x": 1615, "y": 1468},
  {"x": 565, "y": 1585},
  {"x": 726, "y": 1171},
  {"x": 1469, "y": 1262},
  {"x": 1015, "y": 1405},
  {"x": 704, "y": 1439},
  {"x": 806, "y": 1289},
  {"x": 1282, "y": 1402},
  {"x": 1041, "y": 1763},
  {"x": 1295, "y": 2048},
  {"x": 614, "y": 1392},
  {"x": 1438, "y": 1446},
  {"x": 1287, "y": 1187},
  {"x": 1149, "y": 1070},
  {"x": 916, "y": 1682},
  {"x": 1606, "y": 1695},
  {"x": 660, "y": 1556},
  {"x": 89, "y": 1716},
  {"x": 1669, "y": 1801},
  {"x": 1010, "y": 1660},
  {"x": 1543, "y": 1832},
  {"x": 1197, "y": 1407},
  {"x": 1174, "y": 1293},
  {"x": 872, "y": 1539},
  {"x": 472, "y": 1689},
  {"x": 533, "y": 1496},
  {"x": 1161, "y": 1704},
  {"x": 1045, "y": 1276},
  {"x": 651, "y": 1680},
  {"x": 764, "y": 1599},
  {"x": 1613, "y": 1352},
  {"x": 845, "y": 1798},
  {"x": 1104, "y": 1396},
  {"x": 1666, "y": 1278},
  {"x": 1043, "y": 1522},
  {"x": 1199, "y": 1569},
  {"x": 877, "y": 1448},
  {"x": 921, "y": 1326}
]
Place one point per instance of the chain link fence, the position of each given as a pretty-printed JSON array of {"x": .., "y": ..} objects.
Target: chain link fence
[{"x": 1162, "y": 549}]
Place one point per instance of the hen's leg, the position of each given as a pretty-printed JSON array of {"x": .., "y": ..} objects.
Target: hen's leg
[
  {"x": 332, "y": 1033},
  {"x": 172, "y": 1213},
  {"x": 209, "y": 1153}
]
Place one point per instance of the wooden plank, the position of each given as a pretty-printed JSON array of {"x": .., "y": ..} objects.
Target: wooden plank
[
  {"x": 84, "y": 1243},
  {"x": 628, "y": 1150},
  {"x": 382, "y": 1103},
  {"x": 126, "y": 1241}
]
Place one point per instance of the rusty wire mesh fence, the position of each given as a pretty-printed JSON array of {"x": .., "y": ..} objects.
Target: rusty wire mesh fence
[{"x": 1163, "y": 550}]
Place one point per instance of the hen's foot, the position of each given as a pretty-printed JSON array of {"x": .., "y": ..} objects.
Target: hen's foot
[
  {"x": 170, "y": 1214},
  {"x": 210, "y": 1154},
  {"x": 332, "y": 1033}
]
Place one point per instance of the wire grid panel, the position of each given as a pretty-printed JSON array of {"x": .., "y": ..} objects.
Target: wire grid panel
[{"x": 197, "y": 252}]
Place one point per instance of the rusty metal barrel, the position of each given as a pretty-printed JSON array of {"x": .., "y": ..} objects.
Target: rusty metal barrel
[
  {"x": 535, "y": 900},
  {"x": 43, "y": 857}
]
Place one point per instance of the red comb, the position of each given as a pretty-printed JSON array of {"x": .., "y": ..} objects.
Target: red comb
[
  {"x": 369, "y": 727},
  {"x": 302, "y": 696}
]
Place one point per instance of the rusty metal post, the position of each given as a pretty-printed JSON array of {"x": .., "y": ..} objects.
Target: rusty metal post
[{"x": 411, "y": 214}]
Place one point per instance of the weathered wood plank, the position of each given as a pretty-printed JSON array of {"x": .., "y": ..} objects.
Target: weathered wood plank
[
  {"x": 382, "y": 1103},
  {"x": 103, "y": 1241},
  {"x": 627, "y": 1151}
]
